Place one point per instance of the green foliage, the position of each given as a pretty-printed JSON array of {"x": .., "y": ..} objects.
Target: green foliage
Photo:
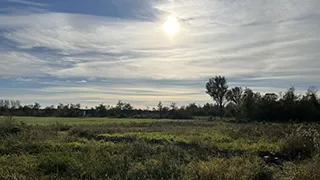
[{"x": 217, "y": 88}]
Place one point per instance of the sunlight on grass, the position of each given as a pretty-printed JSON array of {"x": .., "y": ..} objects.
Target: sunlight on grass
[{"x": 93, "y": 148}]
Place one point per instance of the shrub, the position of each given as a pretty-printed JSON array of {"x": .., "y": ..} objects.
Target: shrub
[
  {"x": 9, "y": 127},
  {"x": 301, "y": 144},
  {"x": 58, "y": 163}
]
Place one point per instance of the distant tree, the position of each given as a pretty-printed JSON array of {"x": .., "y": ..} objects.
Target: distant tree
[
  {"x": 235, "y": 95},
  {"x": 270, "y": 97},
  {"x": 210, "y": 109},
  {"x": 36, "y": 106},
  {"x": 18, "y": 104},
  {"x": 165, "y": 110},
  {"x": 290, "y": 96},
  {"x": 101, "y": 110},
  {"x": 12, "y": 104},
  {"x": 127, "y": 109},
  {"x": 60, "y": 106},
  {"x": 250, "y": 102},
  {"x": 120, "y": 105},
  {"x": 267, "y": 107},
  {"x": 7, "y": 104},
  {"x": 160, "y": 108},
  {"x": 173, "y": 106},
  {"x": 309, "y": 106},
  {"x": 192, "y": 109},
  {"x": 311, "y": 95},
  {"x": 217, "y": 88},
  {"x": 75, "y": 106},
  {"x": 49, "y": 110}
]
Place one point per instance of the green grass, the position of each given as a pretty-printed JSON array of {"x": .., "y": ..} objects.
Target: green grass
[{"x": 103, "y": 148}]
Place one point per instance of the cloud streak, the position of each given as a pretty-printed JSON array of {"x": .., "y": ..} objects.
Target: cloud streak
[
  {"x": 31, "y": 3},
  {"x": 262, "y": 44}
]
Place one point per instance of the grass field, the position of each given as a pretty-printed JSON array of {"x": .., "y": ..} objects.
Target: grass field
[{"x": 102, "y": 148}]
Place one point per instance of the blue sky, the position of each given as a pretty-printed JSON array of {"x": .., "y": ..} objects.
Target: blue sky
[{"x": 102, "y": 51}]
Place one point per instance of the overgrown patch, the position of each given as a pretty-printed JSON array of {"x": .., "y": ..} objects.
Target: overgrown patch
[
  {"x": 301, "y": 144},
  {"x": 157, "y": 150}
]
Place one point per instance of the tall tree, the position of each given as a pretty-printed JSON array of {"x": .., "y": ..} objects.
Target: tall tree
[
  {"x": 235, "y": 95},
  {"x": 217, "y": 88},
  {"x": 290, "y": 96},
  {"x": 160, "y": 108},
  {"x": 311, "y": 95},
  {"x": 250, "y": 101},
  {"x": 126, "y": 110}
]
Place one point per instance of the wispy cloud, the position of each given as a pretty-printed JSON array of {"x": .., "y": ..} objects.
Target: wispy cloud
[
  {"x": 262, "y": 44},
  {"x": 25, "y": 2},
  {"x": 18, "y": 63},
  {"x": 140, "y": 96}
]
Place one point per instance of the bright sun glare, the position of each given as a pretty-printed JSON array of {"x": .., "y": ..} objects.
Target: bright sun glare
[{"x": 171, "y": 25}]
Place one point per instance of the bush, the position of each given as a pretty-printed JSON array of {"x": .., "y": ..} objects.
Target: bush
[
  {"x": 58, "y": 163},
  {"x": 301, "y": 144},
  {"x": 9, "y": 127}
]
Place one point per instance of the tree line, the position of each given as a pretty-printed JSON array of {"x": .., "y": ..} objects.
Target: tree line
[
  {"x": 243, "y": 103},
  {"x": 120, "y": 110},
  {"x": 236, "y": 102}
]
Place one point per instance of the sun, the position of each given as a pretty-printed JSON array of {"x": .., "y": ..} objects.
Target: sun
[{"x": 171, "y": 26}]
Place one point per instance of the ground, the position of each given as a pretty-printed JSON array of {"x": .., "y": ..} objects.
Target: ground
[{"x": 103, "y": 148}]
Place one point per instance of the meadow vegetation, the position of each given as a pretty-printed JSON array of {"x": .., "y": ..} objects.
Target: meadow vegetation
[{"x": 155, "y": 149}]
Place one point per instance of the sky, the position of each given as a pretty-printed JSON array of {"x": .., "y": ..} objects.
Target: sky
[{"x": 102, "y": 51}]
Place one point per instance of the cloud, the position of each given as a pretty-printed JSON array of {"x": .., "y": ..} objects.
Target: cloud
[
  {"x": 18, "y": 63},
  {"x": 139, "y": 95},
  {"x": 90, "y": 95},
  {"x": 31, "y": 3},
  {"x": 26, "y": 79},
  {"x": 82, "y": 81},
  {"x": 260, "y": 44}
]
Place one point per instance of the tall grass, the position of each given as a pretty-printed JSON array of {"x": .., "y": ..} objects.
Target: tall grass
[{"x": 156, "y": 150}]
